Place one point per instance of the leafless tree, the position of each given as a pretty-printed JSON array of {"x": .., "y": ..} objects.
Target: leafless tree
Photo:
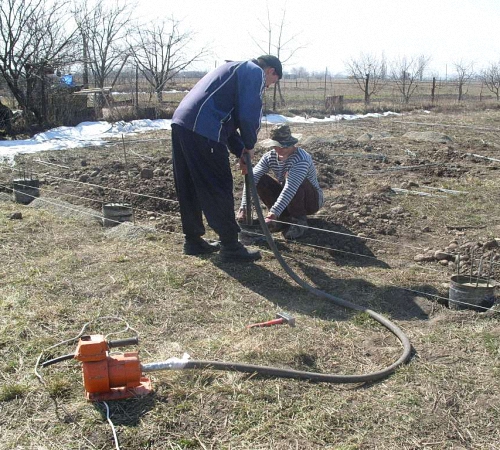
[
  {"x": 300, "y": 72},
  {"x": 407, "y": 73},
  {"x": 491, "y": 78},
  {"x": 103, "y": 29},
  {"x": 422, "y": 63},
  {"x": 36, "y": 38},
  {"x": 465, "y": 73},
  {"x": 369, "y": 72},
  {"x": 161, "y": 51},
  {"x": 278, "y": 43}
]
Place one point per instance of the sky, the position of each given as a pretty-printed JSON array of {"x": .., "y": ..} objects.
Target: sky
[{"x": 330, "y": 32}]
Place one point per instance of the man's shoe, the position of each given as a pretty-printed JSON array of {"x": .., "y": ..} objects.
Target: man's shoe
[
  {"x": 238, "y": 253},
  {"x": 199, "y": 246},
  {"x": 298, "y": 229}
]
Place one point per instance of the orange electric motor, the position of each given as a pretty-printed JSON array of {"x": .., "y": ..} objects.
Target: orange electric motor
[{"x": 110, "y": 377}]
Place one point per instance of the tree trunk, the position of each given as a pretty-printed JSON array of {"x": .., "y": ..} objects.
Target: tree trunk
[
  {"x": 85, "y": 64},
  {"x": 367, "y": 87},
  {"x": 43, "y": 97},
  {"x": 136, "y": 88},
  {"x": 282, "y": 100}
]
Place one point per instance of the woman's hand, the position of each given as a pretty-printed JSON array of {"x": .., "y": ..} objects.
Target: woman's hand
[
  {"x": 241, "y": 217},
  {"x": 270, "y": 218}
]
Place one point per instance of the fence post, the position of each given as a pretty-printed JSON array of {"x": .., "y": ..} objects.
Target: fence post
[{"x": 334, "y": 103}]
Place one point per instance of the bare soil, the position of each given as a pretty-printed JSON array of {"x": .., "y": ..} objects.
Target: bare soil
[{"x": 411, "y": 183}]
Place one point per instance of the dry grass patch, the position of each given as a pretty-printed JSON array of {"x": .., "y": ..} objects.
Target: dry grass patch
[{"x": 62, "y": 273}]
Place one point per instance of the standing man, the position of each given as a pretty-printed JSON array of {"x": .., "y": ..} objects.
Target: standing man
[{"x": 222, "y": 112}]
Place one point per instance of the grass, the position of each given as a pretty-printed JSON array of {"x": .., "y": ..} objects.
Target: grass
[
  {"x": 491, "y": 343},
  {"x": 10, "y": 392},
  {"x": 49, "y": 292}
]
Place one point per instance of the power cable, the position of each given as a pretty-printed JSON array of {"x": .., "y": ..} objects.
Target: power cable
[
  {"x": 287, "y": 373},
  {"x": 115, "y": 437}
]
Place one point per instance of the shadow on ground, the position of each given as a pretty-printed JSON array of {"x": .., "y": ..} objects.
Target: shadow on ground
[
  {"x": 323, "y": 240},
  {"x": 341, "y": 248},
  {"x": 129, "y": 411},
  {"x": 341, "y": 243}
]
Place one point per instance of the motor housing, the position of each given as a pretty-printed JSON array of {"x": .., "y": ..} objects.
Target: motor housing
[{"x": 109, "y": 377}]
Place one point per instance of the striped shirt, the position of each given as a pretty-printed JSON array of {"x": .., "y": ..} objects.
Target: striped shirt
[{"x": 290, "y": 173}]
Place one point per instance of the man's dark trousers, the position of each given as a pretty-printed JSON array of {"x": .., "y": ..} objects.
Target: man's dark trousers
[{"x": 204, "y": 184}]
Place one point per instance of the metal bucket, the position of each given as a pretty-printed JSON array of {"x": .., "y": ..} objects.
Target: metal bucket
[
  {"x": 116, "y": 213},
  {"x": 477, "y": 294},
  {"x": 25, "y": 190}
]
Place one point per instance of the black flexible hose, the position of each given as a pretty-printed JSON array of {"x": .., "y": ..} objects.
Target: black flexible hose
[
  {"x": 274, "y": 371},
  {"x": 297, "y": 374}
]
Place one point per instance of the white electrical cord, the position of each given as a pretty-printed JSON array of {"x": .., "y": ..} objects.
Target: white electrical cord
[
  {"x": 115, "y": 437},
  {"x": 85, "y": 326}
]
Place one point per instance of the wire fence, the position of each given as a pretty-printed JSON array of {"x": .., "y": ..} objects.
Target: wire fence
[
  {"x": 438, "y": 298},
  {"x": 128, "y": 152},
  {"x": 132, "y": 99}
]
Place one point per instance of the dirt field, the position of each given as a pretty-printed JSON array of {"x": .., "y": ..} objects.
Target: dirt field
[{"x": 405, "y": 195}]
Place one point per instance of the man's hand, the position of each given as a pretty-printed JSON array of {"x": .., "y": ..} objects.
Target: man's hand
[{"x": 243, "y": 166}]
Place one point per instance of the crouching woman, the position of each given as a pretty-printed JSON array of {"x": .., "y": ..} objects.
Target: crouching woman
[{"x": 293, "y": 192}]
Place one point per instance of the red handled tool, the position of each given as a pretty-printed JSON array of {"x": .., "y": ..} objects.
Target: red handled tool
[{"x": 281, "y": 318}]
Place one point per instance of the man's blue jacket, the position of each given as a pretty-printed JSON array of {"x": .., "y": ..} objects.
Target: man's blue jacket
[{"x": 226, "y": 105}]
